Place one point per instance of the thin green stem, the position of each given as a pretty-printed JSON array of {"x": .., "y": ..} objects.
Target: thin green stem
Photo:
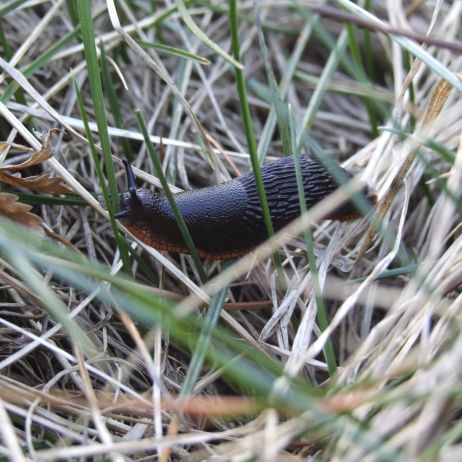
[
  {"x": 358, "y": 62},
  {"x": 247, "y": 120},
  {"x": 321, "y": 312},
  {"x": 171, "y": 200},
  {"x": 203, "y": 343},
  {"x": 94, "y": 77},
  {"x": 113, "y": 100}
]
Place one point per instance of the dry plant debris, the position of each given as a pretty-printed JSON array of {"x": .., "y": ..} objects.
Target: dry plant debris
[
  {"x": 14, "y": 210},
  {"x": 9, "y": 205},
  {"x": 96, "y": 363}
]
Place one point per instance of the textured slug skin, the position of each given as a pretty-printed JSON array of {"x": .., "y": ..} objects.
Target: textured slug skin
[{"x": 226, "y": 221}]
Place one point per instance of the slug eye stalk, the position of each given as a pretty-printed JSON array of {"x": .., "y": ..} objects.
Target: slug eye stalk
[{"x": 131, "y": 183}]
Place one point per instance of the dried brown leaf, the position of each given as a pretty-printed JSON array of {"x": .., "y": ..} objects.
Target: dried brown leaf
[
  {"x": 37, "y": 157},
  {"x": 16, "y": 211},
  {"x": 42, "y": 183}
]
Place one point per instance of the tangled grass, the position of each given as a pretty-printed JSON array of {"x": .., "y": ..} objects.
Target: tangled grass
[{"x": 346, "y": 346}]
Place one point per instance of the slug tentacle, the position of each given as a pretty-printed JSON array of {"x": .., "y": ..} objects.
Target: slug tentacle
[
  {"x": 226, "y": 221},
  {"x": 130, "y": 178},
  {"x": 127, "y": 205}
]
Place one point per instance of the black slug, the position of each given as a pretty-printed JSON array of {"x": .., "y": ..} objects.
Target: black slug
[{"x": 226, "y": 221}]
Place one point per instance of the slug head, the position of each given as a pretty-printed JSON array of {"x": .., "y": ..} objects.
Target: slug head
[
  {"x": 135, "y": 205},
  {"x": 138, "y": 207}
]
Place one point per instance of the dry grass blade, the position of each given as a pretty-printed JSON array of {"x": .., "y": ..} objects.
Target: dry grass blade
[
  {"x": 339, "y": 15},
  {"x": 14, "y": 451},
  {"x": 192, "y": 407},
  {"x": 438, "y": 97}
]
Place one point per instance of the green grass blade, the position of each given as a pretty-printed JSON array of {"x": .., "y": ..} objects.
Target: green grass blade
[
  {"x": 344, "y": 59},
  {"x": 355, "y": 52},
  {"x": 176, "y": 52},
  {"x": 94, "y": 77},
  {"x": 50, "y": 301},
  {"x": 10, "y": 6},
  {"x": 91, "y": 144},
  {"x": 408, "y": 62},
  {"x": 282, "y": 113},
  {"x": 368, "y": 52},
  {"x": 247, "y": 120},
  {"x": 35, "y": 199},
  {"x": 321, "y": 312},
  {"x": 290, "y": 70},
  {"x": 8, "y": 53},
  {"x": 324, "y": 80},
  {"x": 120, "y": 238},
  {"x": 113, "y": 100},
  {"x": 350, "y": 87},
  {"x": 201, "y": 36},
  {"x": 72, "y": 11},
  {"x": 204, "y": 342},
  {"x": 88, "y": 37},
  {"x": 171, "y": 200}
]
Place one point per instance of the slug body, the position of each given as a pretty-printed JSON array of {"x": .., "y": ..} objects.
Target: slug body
[{"x": 226, "y": 221}]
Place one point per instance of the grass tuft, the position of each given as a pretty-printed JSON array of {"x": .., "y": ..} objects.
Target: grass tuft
[{"x": 111, "y": 349}]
